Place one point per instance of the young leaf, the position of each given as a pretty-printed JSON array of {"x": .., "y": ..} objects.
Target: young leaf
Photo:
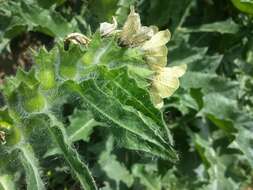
[
  {"x": 112, "y": 167},
  {"x": 223, "y": 27},
  {"x": 147, "y": 176},
  {"x": 81, "y": 126},
  {"x": 7, "y": 183}
]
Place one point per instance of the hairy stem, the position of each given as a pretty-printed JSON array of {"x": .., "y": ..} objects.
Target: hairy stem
[{"x": 29, "y": 161}]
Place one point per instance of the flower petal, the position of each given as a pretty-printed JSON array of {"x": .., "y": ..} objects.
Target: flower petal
[
  {"x": 165, "y": 86},
  {"x": 159, "y": 39},
  {"x": 159, "y": 51},
  {"x": 108, "y": 28},
  {"x": 156, "y": 62},
  {"x": 166, "y": 81},
  {"x": 179, "y": 70},
  {"x": 156, "y": 98}
]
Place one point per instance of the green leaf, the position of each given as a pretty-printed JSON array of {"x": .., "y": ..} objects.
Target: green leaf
[
  {"x": 216, "y": 168},
  {"x": 112, "y": 167},
  {"x": 113, "y": 82},
  {"x": 29, "y": 161},
  {"x": 70, "y": 155},
  {"x": 35, "y": 18},
  {"x": 3, "y": 43},
  {"x": 244, "y": 6},
  {"x": 132, "y": 128},
  {"x": 223, "y": 27},
  {"x": 225, "y": 124},
  {"x": 210, "y": 83},
  {"x": 106, "y": 51},
  {"x": 7, "y": 183},
  {"x": 81, "y": 126},
  {"x": 147, "y": 176},
  {"x": 219, "y": 103},
  {"x": 220, "y": 106},
  {"x": 243, "y": 142}
]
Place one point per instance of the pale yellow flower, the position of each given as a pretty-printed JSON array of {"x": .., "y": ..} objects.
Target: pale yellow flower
[
  {"x": 157, "y": 57},
  {"x": 156, "y": 98},
  {"x": 155, "y": 49},
  {"x": 166, "y": 82},
  {"x": 161, "y": 38},
  {"x": 153, "y": 44}
]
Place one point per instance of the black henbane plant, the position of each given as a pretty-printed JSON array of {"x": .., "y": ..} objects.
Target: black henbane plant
[{"x": 117, "y": 79}]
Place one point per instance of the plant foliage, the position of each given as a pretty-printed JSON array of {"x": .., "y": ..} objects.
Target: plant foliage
[{"x": 98, "y": 112}]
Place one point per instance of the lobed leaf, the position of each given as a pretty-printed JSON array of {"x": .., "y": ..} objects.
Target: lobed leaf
[{"x": 134, "y": 130}]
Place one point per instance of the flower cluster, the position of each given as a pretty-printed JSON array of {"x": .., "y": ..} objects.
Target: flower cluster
[{"x": 153, "y": 43}]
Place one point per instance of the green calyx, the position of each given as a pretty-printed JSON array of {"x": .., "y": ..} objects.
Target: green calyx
[
  {"x": 31, "y": 99},
  {"x": 47, "y": 79},
  {"x": 45, "y": 64},
  {"x": 9, "y": 135},
  {"x": 35, "y": 103}
]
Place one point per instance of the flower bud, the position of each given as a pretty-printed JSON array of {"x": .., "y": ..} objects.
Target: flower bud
[{"x": 106, "y": 28}]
